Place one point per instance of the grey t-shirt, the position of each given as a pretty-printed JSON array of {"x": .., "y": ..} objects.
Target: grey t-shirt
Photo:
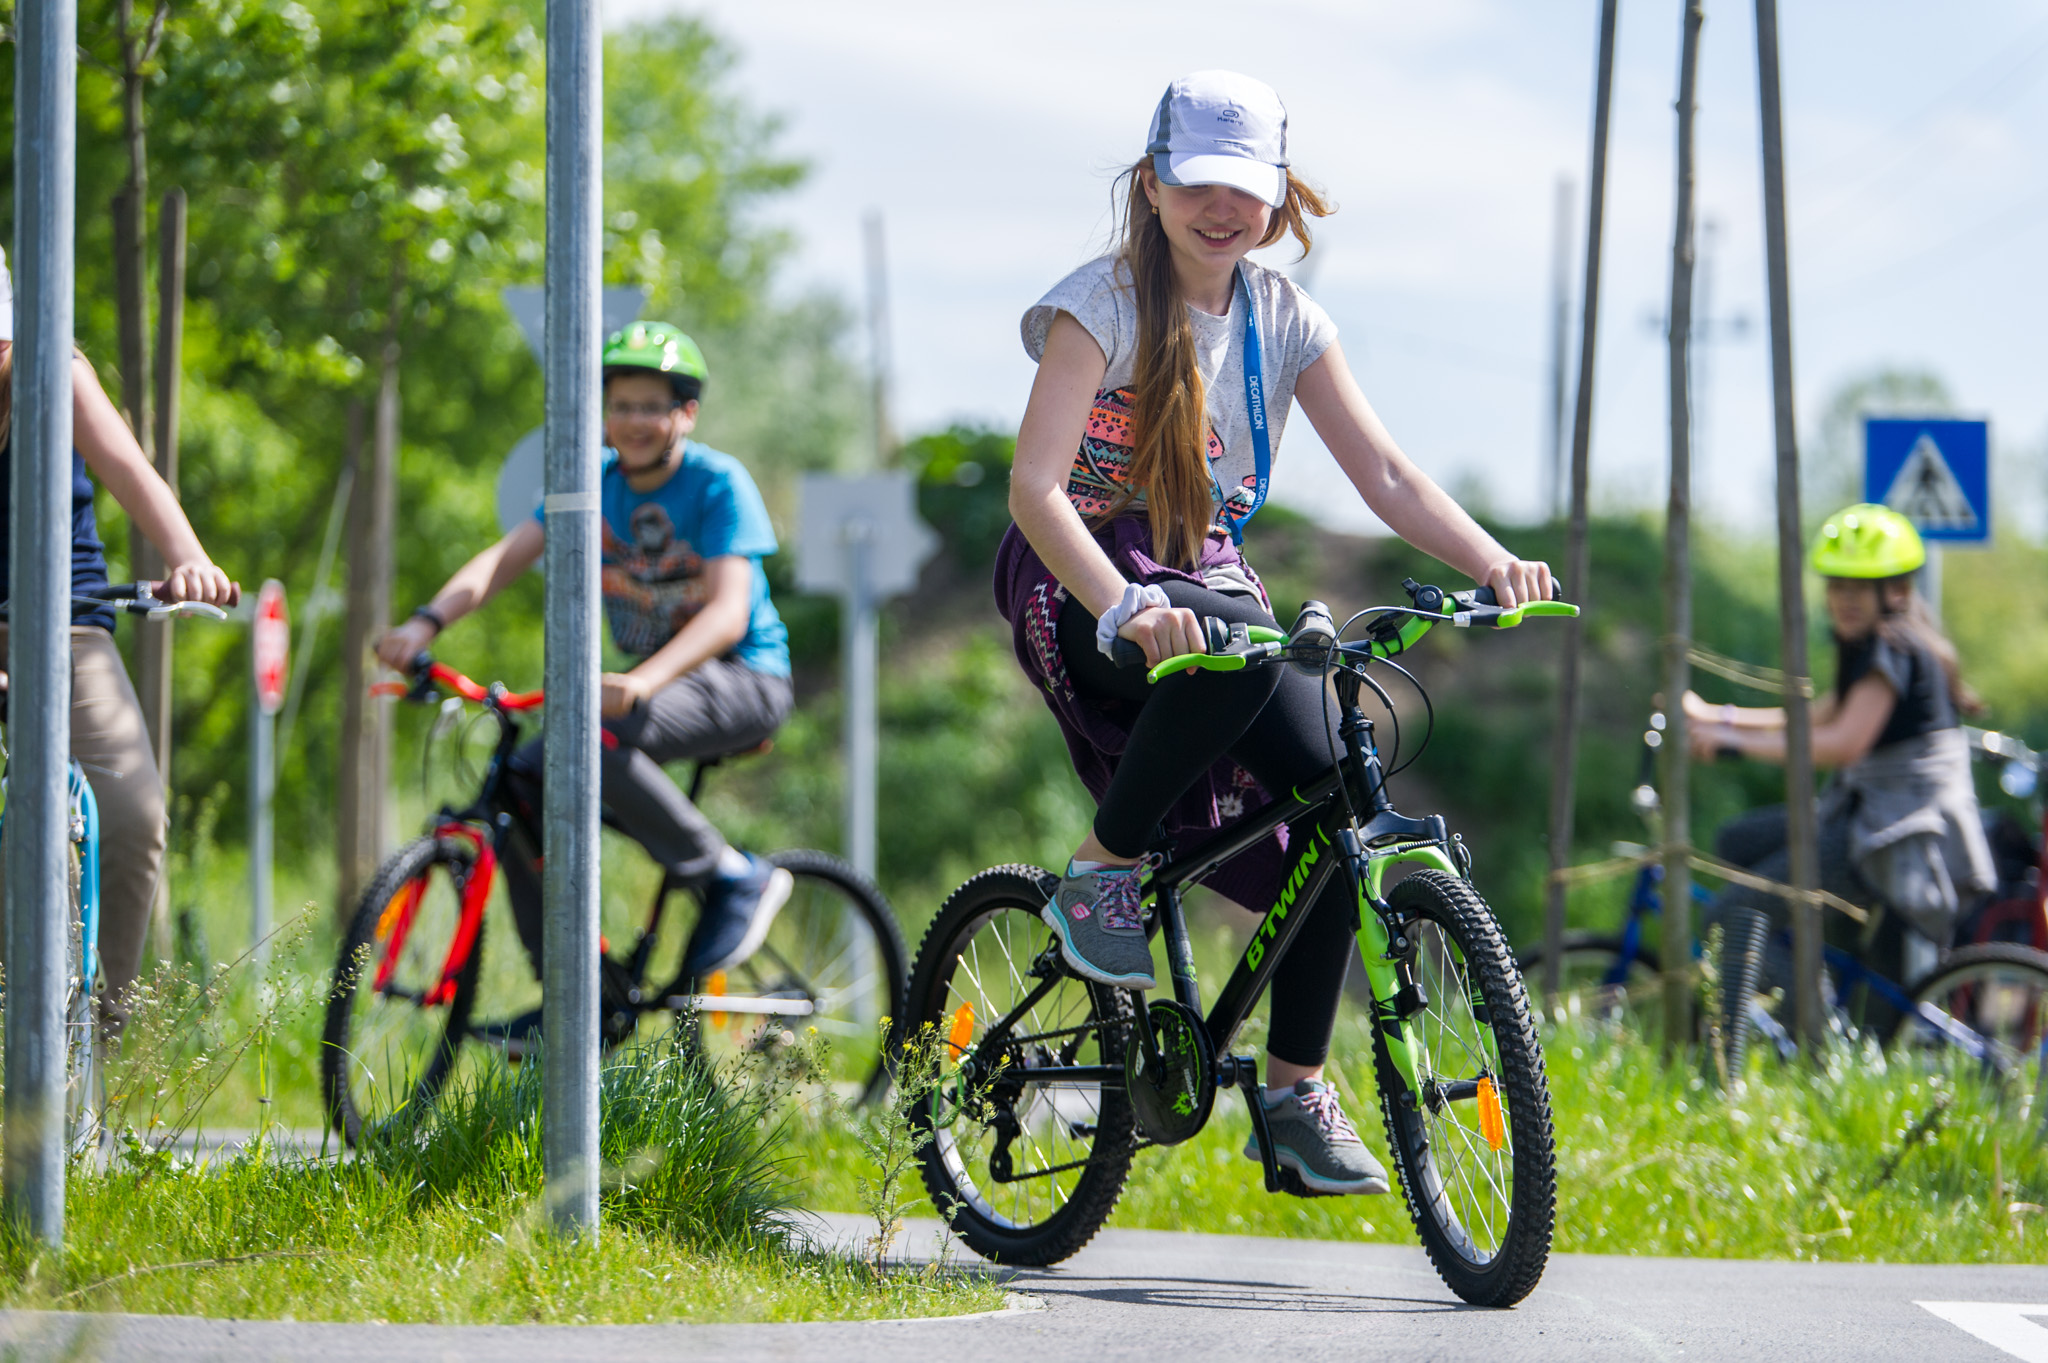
[{"x": 1293, "y": 334}]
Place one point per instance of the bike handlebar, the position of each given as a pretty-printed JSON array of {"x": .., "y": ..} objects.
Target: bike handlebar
[
  {"x": 1312, "y": 644},
  {"x": 425, "y": 672},
  {"x": 140, "y": 598}
]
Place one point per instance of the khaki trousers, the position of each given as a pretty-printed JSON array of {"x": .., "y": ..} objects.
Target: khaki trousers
[{"x": 110, "y": 740}]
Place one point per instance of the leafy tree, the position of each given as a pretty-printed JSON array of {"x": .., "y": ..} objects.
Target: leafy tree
[
  {"x": 362, "y": 171},
  {"x": 1834, "y": 470}
]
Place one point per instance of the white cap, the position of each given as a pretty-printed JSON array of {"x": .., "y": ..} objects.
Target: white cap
[
  {"x": 1221, "y": 128},
  {"x": 6, "y": 300}
]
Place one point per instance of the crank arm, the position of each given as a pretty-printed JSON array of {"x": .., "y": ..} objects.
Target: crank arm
[{"x": 1245, "y": 1071}]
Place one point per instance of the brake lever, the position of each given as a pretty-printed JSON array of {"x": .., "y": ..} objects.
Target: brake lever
[{"x": 199, "y": 608}]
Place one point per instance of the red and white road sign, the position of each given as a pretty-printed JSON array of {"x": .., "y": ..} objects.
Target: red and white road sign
[{"x": 273, "y": 635}]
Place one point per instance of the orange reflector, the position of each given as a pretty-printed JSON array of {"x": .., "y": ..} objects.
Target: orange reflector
[
  {"x": 962, "y": 1031},
  {"x": 1491, "y": 1124},
  {"x": 388, "y": 919},
  {"x": 715, "y": 984}
]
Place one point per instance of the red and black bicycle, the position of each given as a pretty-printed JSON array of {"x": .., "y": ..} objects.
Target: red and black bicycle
[{"x": 418, "y": 974}]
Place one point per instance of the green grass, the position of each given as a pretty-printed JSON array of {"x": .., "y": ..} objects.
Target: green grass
[
  {"x": 344, "y": 1249},
  {"x": 440, "y": 1218},
  {"x": 1654, "y": 1160}
]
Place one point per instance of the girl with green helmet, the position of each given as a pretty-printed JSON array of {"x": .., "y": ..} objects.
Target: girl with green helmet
[
  {"x": 683, "y": 530},
  {"x": 1898, "y": 824}
]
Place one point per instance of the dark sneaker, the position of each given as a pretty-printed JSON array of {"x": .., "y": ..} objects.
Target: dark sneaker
[
  {"x": 1101, "y": 929},
  {"x": 737, "y": 915},
  {"x": 1313, "y": 1137}
]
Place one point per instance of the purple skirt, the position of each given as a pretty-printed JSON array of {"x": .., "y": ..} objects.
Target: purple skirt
[{"x": 1097, "y": 728}]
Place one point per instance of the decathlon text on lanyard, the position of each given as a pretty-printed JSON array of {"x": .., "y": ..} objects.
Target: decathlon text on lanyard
[{"x": 1255, "y": 413}]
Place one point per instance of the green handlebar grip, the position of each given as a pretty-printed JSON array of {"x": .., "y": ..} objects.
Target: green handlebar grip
[
  {"x": 1411, "y": 632},
  {"x": 1563, "y": 608},
  {"x": 1208, "y": 662},
  {"x": 1259, "y": 634}
]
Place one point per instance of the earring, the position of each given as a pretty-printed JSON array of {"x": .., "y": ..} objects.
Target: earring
[{"x": 1155, "y": 210}]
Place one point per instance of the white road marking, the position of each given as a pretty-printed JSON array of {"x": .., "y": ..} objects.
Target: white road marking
[{"x": 2008, "y": 1326}]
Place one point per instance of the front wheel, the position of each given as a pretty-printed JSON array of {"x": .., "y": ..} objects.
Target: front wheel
[
  {"x": 1989, "y": 1004},
  {"x": 1474, "y": 1146},
  {"x": 404, "y": 987}
]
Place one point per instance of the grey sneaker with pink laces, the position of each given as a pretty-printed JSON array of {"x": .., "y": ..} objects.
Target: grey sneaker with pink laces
[
  {"x": 1313, "y": 1137},
  {"x": 1100, "y": 926}
]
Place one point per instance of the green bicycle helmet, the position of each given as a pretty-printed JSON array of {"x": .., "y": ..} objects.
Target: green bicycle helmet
[
  {"x": 661, "y": 348},
  {"x": 1867, "y": 541}
]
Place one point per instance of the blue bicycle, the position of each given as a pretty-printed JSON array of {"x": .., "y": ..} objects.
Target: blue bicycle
[
  {"x": 1986, "y": 1000},
  {"x": 83, "y": 1098}
]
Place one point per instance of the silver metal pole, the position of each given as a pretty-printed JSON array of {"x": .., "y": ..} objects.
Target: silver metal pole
[
  {"x": 1930, "y": 581},
  {"x": 1556, "y": 440},
  {"x": 879, "y": 358},
  {"x": 39, "y": 638},
  {"x": 575, "y": 154},
  {"x": 262, "y": 788},
  {"x": 860, "y": 661}
]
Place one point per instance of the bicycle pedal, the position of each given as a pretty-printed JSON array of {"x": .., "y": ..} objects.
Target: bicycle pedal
[{"x": 1291, "y": 1184}]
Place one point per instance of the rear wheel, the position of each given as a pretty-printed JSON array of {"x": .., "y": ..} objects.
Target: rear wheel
[
  {"x": 1025, "y": 1172},
  {"x": 1989, "y": 1003},
  {"x": 833, "y": 960},
  {"x": 397, "y": 1016},
  {"x": 1476, "y": 1152}
]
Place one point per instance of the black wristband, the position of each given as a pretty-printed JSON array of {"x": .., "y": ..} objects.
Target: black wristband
[{"x": 432, "y": 617}]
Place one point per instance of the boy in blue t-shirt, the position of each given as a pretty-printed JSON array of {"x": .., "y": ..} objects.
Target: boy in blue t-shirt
[{"x": 684, "y": 533}]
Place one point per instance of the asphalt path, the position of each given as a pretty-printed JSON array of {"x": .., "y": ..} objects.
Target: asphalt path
[{"x": 1182, "y": 1296}]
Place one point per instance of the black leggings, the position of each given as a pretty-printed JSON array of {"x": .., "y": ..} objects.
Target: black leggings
[{"x": 1270, "y": 722}]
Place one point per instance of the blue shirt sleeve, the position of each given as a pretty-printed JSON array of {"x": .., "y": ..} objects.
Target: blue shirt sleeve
[{"x": 734, "y": 518}]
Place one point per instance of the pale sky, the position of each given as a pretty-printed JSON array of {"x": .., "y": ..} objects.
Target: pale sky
[{"x": 988, "y": 135}]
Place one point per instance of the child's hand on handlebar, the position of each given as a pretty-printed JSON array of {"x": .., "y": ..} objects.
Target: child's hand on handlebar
[
  {"x": 404, "y": 642},
  {"x": 198, "y": 581},
  {"x": 1165, "y": 632},
  {"x": 1515, "y": 581},
  {"x": 622, "y": 694}
]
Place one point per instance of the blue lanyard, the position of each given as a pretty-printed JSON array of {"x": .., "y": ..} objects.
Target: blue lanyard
[{"x": 1255, "y": 411}]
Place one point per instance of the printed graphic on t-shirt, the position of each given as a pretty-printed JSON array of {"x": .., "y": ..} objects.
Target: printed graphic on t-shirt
[
  {"x": 1102, "y": 466},
  {"x": 654, "y": 584}
]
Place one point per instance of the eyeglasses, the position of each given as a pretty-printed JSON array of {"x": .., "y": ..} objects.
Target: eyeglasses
[{"x": 651, "y": 411}]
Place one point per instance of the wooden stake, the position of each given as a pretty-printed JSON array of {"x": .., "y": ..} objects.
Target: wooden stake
[
  {"x": 1577, "y": 558},
  {"x": 1801, "y": 833},
  {"x": 1675, "y": 757},
  {"x": 153, "y": 640}
]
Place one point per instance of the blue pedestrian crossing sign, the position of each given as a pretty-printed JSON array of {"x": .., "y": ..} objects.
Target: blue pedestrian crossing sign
[{"x": 1935, "y": 473}]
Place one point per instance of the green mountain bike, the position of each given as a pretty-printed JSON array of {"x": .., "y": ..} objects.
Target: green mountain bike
[{"x": 1052, "y": 1083}]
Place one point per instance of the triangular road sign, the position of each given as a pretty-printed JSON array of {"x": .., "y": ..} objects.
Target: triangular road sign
[{"x": 1926, "y": 492}]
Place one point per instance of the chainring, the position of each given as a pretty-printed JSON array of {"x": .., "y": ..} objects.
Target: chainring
[{"x": 1174, "y": 1103}]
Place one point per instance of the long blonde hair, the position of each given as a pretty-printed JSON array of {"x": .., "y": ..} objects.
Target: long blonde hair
[{"x": 1169, "y": 413}]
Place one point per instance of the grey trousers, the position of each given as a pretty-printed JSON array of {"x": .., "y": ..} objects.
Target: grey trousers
[
  {"x": 110, "y": 740},
  {"x": 720, "y": 707}
]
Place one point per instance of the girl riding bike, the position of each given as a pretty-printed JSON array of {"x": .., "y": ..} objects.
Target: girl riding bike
[
  {"x": 1900, "y": 821},
  {"x": 1166, "y": 372}
]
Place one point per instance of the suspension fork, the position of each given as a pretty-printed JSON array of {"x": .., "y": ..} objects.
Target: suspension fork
[{"x": 1383, "y": 953}]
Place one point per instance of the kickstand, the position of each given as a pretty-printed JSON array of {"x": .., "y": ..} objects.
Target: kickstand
[{"x": 1247, "y": 1075}]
